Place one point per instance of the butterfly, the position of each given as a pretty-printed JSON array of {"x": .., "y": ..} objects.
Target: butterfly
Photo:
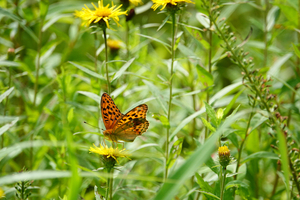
[{"x": 119, "y": 126}]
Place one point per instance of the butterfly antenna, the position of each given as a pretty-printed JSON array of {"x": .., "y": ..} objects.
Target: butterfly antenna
[{"x": 91, "y": 125}]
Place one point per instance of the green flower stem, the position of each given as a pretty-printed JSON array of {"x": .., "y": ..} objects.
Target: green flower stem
[
  {"x": 109, "y": 184},
  {"x": 243, "y": 141},
  {"x": 170, "y": 98},
  {"x": 106, "y": 60},
  {"x": 223, "y": 178}
]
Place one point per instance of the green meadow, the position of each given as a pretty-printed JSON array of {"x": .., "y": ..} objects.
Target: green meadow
[{"x": 149, "y": 99}]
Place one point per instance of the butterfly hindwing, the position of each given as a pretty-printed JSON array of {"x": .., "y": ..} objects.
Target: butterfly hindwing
[
  {"x": 130, "y": 130},
  {"x": 137, "y": 112},
  {"x": 110, "y": 112}
]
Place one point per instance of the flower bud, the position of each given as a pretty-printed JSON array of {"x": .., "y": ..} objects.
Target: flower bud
[{"x": 224, "y": 156}]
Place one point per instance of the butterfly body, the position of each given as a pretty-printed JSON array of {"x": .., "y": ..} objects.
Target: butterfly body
[{"x": 122, "y": 127}]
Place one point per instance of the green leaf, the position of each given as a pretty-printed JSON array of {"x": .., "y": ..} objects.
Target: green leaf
[
  {"x": 204, "y": 186},
  {"x": 234, "y": 139},
  {"x": 91, "y": 95},
  {"x": 241, "y": 187},
  {"x": 203, "y": 19},
  {"x": 167, "y": 46},
  {"x": 204, "y": 76},
  {"x": 7, "y": 63},
  {"x": 163, "y": 119},
  {"x": 225, "y": 91},
  {"x": 94, "y": 74},
  {"x": 233, "y": 100},
  {"x": 6, "y": 93},
  {"x": 163, "y": 23},
  {"x": 96, "y": 193},
  {"x": 290, "y": 13},
  {"x": 70, "y": 115},
  {"x": 297, "y": 52},
  {"x": 175, "y": 152},
  {"x": 208, "y": 125},
  {"x": 186, "y": 51},
  {"x": 156, "y": 94},
  {"x": 186, "y": 121},
  {"x": 256, "y": 121},
  {"x": 44, "y": 5},
  {"x": 20, "y": 21},
  {"x": 275, "y": 68},
  {"x": 272, "y": 16},
  {"x": 8, "y": 126},
  {"x": 122, "y": 69},
  {"x": 261, "y": 154},
  {"x": 211, "y": 113}
]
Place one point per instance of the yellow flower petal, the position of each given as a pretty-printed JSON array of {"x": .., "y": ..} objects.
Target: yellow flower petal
[
  {"x": 163, "y": 3},
  {"x": 100, "y": 13},
  {"x": 109, "y": 152}
]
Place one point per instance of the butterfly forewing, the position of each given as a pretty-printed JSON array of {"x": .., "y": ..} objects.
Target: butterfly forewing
[{"x": 110, "y": 112}]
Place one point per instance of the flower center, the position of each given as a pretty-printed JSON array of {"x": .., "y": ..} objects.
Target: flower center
[{"x": 103, "y": 12}]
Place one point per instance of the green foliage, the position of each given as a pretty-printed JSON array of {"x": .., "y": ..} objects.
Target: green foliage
[{"x": 234, "y": 81}]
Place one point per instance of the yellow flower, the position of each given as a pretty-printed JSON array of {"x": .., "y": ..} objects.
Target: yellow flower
[
  {"x": 136, "y": 2},
  {"x": 109, "y": 152},
  {"x": 163, "y": 3},
  {"x": 2, "y": 194},
  {"x": 114, "y": 44},
  {"x": 100, "y": 13},
  {"x": 224, "y": 156}
]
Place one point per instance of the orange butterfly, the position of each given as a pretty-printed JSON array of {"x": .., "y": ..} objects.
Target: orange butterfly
[{"x": 119, "y": 126}]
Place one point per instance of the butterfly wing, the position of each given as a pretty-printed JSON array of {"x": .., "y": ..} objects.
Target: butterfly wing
[
  {"x": 132, "y": 124},
  {"x": 110, "y": 112}
]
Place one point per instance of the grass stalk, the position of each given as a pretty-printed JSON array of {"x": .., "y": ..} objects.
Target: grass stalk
[
  {"x": 106, "y": 59},
  {"x": 171, "y": 87},
  {"x": 240, "y": 150},
  {"x": 38, "y": 63}
]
